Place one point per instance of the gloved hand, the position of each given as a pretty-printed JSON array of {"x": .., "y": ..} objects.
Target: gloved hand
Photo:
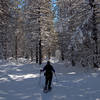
[{"x": 41, "y": 70}]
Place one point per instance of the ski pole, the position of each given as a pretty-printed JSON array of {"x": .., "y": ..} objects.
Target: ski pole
[
  {"x": 40, "y": 79},
  {"x": 56, "y": 77}
]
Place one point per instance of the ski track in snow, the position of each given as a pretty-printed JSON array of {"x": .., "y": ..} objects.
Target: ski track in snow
[{"x": 22, "y": 82}]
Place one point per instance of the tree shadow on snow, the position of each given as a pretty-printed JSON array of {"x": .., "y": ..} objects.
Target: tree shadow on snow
[
  {"x": 19, "y": 83},
  {"x": 22, "y": 83}
]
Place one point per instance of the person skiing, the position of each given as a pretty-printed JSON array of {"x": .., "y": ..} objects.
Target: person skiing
[{"x": 48, "y": 75}]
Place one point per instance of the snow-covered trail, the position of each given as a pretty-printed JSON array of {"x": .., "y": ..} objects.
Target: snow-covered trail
[{"x": 21, "y": 82}]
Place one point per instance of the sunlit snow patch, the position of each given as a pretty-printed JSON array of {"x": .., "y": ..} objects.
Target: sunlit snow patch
[
  {"x": 98, "y": 69},
  {"x": 94, "y": 74},
  {"x": 4, "y": 80},
  {"x": 71, "y": 73},
  {"x": 22, "y": 77},
  {"x": 78, "y": 80},
  {"x": 98, "y": 99},
  {"x": 2, "y": 98}
]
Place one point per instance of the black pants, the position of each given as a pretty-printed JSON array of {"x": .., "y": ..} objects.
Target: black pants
[{"x": 48, "y": 81}]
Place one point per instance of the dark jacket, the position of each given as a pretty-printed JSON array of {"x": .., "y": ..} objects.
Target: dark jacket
[{"x": 48, "y": 70}]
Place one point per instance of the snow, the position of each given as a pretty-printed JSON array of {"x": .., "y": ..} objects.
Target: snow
[{"x": 21, "y": 81}]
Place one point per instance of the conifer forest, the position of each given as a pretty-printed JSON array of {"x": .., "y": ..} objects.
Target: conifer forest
[
  {"x": 64, "y": 32},
  {"x": 36, "y": 29}
]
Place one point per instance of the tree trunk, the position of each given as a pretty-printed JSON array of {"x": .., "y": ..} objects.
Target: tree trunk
[
  {"x": 93, "y": 6},
  {"x": 16, "y": 47},
  {"x": 73, "y": 62},
  {"x": 40, "y": 49},
  {"x": 31, "y": 54},
  {"x": 49, "y": 54},
  {"x": 40, "y": 53},
  {"x": 37, "y": 53},
  {"x": 62, "y": 56}
]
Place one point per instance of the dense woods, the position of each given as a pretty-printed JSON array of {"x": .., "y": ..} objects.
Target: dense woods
[{"x": 36, "y": 29}]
